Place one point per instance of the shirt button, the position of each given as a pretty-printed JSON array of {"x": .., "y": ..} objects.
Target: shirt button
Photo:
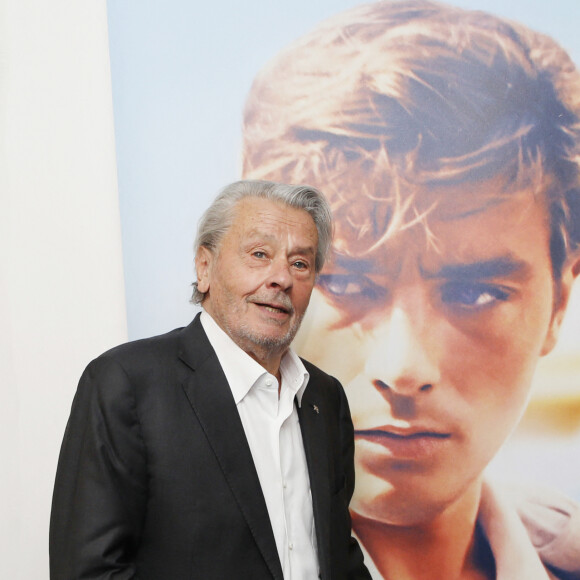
[
  {"x": 290, "y": 546},
  {"x": 269, "y": 382},
  {"x": 284, "y": 484}
]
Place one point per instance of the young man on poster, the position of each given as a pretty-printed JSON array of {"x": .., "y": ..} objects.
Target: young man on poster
[
  {"x": 449, "y": 145},
  {"x": 213, "y": 451}
]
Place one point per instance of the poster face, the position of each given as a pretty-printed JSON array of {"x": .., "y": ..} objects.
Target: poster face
[{"x": 447, "y": 143}]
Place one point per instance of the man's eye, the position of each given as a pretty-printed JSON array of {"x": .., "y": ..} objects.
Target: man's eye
[
  {"x": 258, "y": 254},
  {"x": 472, "y": 295},
  {"x": 300, "y": 265},
  {"x": 348, "y": 286}
]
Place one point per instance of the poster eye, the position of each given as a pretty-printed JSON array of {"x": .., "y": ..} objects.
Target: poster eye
[
  {"x": 350, "y": 286},
  {"x": 472, "y": 295}
]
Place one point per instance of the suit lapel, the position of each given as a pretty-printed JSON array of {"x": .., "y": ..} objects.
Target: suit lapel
[
  {"x": 311, "y": 415},
  {"x": 212, "y": 402}
]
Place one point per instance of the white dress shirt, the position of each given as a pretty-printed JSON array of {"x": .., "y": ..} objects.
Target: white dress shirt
[{"x": 273, "y": 432}]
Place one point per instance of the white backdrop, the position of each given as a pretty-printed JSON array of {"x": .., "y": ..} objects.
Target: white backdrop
[{"x": 61, "y": 283}]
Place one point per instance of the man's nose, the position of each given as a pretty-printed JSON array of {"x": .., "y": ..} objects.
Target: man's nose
[
  {"x": 403, "y": 357},
  {"x": 279, "y": 275}
]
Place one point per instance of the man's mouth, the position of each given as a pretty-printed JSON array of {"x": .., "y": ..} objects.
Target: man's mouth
[
  {"x": 272, "y": 308},
  {"x": 276, "y": 307}
]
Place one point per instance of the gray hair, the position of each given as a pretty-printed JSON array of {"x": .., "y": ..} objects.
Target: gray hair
[{"x": 219, "y": 216}]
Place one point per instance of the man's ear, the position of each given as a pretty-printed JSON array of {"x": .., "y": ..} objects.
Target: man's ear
[
  {"x": 563, "y": 289},
  {"x": 203, "y": 262}
]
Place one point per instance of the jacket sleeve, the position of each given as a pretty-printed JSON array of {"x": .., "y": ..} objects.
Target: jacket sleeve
[
  {"x": 356, "y": 567},
  {"x": 100, "y": 489}
]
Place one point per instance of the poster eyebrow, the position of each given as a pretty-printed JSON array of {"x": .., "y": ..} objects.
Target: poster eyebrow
[
  {"x": 480, "y": 269},
  {"x": 354, "y": 265}
]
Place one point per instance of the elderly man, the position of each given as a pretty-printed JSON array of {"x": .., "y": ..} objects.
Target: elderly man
[
  {"x": 448, "y": 143},
  {"x": 213, "y": 451}
]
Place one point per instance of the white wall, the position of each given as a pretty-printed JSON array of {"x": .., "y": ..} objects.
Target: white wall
[{"x": 61, "y": 280}]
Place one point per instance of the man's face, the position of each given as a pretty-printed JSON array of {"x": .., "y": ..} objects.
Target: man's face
[
  {"x": 259, "y": 281},
  {"x": 436, "y": 342}
]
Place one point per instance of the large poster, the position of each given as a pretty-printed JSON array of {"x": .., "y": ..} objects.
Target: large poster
[{"x": 448, "y": 144}]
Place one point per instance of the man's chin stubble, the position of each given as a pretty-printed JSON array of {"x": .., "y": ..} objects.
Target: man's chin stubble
[{"x": 268, "y": 344}]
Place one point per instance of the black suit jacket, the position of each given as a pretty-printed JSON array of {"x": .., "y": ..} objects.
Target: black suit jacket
[{"x": 156, "y": 479}]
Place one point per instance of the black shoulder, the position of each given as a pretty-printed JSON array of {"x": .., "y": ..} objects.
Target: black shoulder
[
  {"x": 143, "y": 347},
  {"x": 317, "y": 373}
]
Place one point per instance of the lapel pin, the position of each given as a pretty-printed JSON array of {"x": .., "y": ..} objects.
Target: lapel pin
[{"x": 316, "y": 410}]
